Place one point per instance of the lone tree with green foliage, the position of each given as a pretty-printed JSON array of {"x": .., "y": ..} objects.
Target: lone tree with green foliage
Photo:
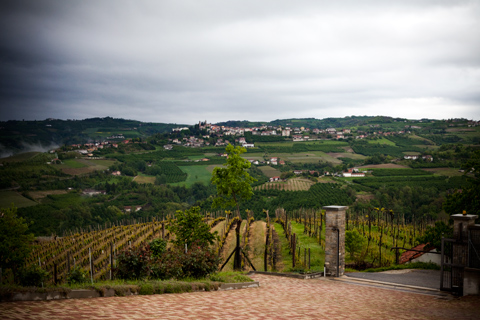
[
  {"x": 189, "y": 228},
  {"x": 354, "y": 242},
  {"x": 233, "y": 184},
  {"x": 15, "y": 241}
]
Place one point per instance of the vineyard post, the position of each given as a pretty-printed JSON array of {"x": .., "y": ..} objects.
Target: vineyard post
[
  {"x": 91, "y": 269},
  {"x": 68, "y": 262},
  {"x": 308, "y": 258},
  {"x": 265, "y": 256},
  {"x": 163, "y": 230},
  {"x": 111, "y": 261},
  {"x": 305, "y": 257},
  {"x": 54, "y": 273},
  {"x": 293, "y": 250}
]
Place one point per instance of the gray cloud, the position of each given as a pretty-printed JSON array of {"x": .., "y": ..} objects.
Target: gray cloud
[{"x": 182, "y": 61}]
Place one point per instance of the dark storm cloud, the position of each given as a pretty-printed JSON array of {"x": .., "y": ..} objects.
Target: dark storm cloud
[{"x": 182, "y": 61}]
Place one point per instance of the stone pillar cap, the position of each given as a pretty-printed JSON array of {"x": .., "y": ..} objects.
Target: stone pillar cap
[
  {"x": 460, "y": 216},
  {"x": 335, "y": 208}
]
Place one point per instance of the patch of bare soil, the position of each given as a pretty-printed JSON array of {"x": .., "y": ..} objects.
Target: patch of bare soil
[
  {"x": 335, "y": 155},
  {"x": 365, "y": 197},
  {"x": 384, "y": 166},
  {"x": 348, "y": 149}
]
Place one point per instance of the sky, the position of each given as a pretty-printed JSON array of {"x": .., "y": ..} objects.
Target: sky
[{"x": 184, "y": 61}]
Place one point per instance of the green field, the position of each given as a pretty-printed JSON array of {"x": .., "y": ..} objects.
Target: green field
[
  {"x": 382, "y": 141},
  {"x": 307, "y": 157},
  {"x": 73, "y": 163},
  {"x": 142, "y": 178},
  {"x": 269, "y": 171},
  {"x": 19, "y": 201},
  {"x": 196, "y": 174}
]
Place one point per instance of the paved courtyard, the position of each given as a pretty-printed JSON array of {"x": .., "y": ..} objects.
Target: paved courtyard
[{"x": 277, "y": 298}]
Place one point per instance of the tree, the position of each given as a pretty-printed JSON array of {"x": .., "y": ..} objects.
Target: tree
[
  {"x": 15, "y": 241},
  {"x": 433, "y": 235},
  {"x": 189, "y": 228},
  {"x": 354, "y": 242},
  {"x": 233, "y": 182},
  {"x": 233, "y": 185}
]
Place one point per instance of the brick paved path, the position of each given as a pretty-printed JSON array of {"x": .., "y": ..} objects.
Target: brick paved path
[{"x": 277, "y": 298}]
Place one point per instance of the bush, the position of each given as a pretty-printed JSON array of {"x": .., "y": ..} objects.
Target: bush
[
  {"x": 158, "y": 247},
  {"x": 33, "y": 276},
  {"x": 134, "y": 263},
  {"x": 167, "y": 266},
  {"x": 77, "y": 275},
  {"x": 198, "y": 262}
]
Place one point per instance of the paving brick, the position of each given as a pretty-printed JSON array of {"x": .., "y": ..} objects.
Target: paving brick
[{"x": 276, "y": 298}]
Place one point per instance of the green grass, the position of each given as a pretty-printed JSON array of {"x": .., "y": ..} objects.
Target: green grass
[
  {"x": 73, "y": 163},
  {"x": 143, "y": 178},
  {"x": 195, "y": 173},
  {"x": 19, "y": 201},
  {"x": 286, "y": 256},
  {"x": 317, "y": 254},
  {"x": 106, "y": 163},
  {"x": 382, "y": 141}
]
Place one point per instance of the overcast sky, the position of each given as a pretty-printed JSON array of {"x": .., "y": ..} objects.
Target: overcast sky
[{"x": 184, "y": 61}]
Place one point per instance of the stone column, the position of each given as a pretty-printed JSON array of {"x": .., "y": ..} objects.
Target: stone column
[
  {"x": 461, "y": 222},
  {"x": 335, "y": 240}
]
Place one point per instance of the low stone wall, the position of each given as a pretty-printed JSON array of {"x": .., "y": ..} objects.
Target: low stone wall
[{"x": 91, "y": 293}]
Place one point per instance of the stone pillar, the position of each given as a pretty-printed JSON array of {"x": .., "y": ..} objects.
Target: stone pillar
[
  {"x": 335, "y": 240},
  {"x": 461, "y": 222}
]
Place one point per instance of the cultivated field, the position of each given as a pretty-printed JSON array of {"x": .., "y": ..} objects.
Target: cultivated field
[
  {"x": 295, "y": 184},
  {"x": 38, "y": 195},
  {"x": 141, "y": 178},
  {"x": 384, "y": 166},
  {"x": 269, "y": 171},
  {"x": 196, "y": 173},
  {"x": 382, "y": 141},
  {"x": 449, "y": 172},
  {"x": 82, "y": 166},
  {"x": 7, "y": 198}
]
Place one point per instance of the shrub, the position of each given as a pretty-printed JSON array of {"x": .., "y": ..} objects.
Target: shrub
[
  {"x": 134, "y": 263},
  {"x": 77, "y": 275},
  {"x": 158, "y": 247},
  {"x": 33, "y": 276},
  {"x": 198, "y": 262},
  {"x": 167, "y": 266}
]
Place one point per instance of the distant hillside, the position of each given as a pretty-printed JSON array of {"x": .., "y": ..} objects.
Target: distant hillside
[
  {"x": 24, "y": 136},
  {"x": 312, "y": 123}
]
